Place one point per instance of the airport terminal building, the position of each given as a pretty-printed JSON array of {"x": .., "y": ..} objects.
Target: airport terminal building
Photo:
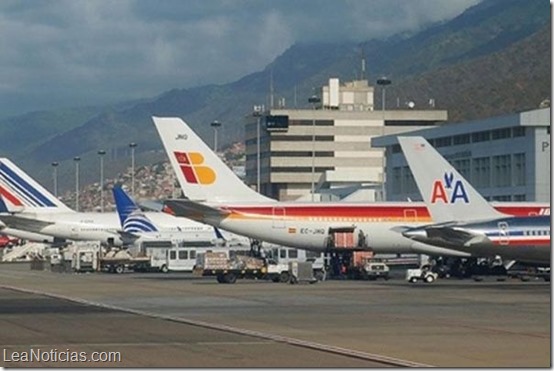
[
  {"x": 507, "y": 158},
  {"x": 327, "y": 148}
]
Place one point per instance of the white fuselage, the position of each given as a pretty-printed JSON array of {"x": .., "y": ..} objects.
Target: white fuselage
[
  {"x": 103, "y": 227},
  {"x": 309, "y": 226}
]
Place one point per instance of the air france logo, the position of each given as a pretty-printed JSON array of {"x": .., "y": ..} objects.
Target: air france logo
[
  {"x": 448, "y": 190},
  {"x": 191, "y": 164}
]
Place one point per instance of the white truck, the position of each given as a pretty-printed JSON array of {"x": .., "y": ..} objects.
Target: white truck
[
  {"x": 375, "y": 269},
  {"x": 280, "y": 258}
]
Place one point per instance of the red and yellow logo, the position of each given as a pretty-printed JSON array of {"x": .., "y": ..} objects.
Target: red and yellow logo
[{"x": 191, "y": 167}]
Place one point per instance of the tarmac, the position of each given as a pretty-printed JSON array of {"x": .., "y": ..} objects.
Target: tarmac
[{"x": 178, "y": 320}]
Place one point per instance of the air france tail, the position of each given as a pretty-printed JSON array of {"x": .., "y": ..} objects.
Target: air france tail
[
  {"x": 446, "y": 193},
  {"x": 200, "y": 172},
  {"x": 131, "y": 217},
  {"x": 21, "y": 193}
]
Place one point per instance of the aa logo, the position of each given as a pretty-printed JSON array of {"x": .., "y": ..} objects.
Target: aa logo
[
  {"x": 192, "y": 167},
  {"x": 449, "y": 190}
]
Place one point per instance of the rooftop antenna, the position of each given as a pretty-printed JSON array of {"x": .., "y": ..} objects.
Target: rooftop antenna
[
  {"x": 362, "y": 77},
  {"x": 271, "y": 88}
]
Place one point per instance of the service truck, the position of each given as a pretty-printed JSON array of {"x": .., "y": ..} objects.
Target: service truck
[
  {"x": 274, "y": 264},
  {"x": 228, "y": 268},
  {"x": 119, "y": 260}
]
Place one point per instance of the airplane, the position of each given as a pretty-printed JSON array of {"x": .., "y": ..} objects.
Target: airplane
[
  {"x": 26, "y": 235},
  {"x": 216, "y": 196},
  {"x": 31, "y": 208},
  {"x": 463, "y": 219},
  {"x": 135, "y": 222}
]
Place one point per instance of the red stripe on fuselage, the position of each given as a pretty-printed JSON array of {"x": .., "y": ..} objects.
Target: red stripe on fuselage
[
  {"x": 523, "y": 210},
  {"x": 362, "y": 211},
  {"x": 333, "y": 211},
  {"x": 521, "y": 242}
]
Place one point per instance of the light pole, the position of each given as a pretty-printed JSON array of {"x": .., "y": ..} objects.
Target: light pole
[
  {"x": 77, "y": 160},
  {"x": 383, "y": 82},
  {"x": 258, "y": 113},
  {"x": 132, "y": 145},
  {"x": 216, "y": 125},
  {"x": 314, "y": 99},
  {"x": 55, "y": 176},
  {"x": 101, "y": 153}
]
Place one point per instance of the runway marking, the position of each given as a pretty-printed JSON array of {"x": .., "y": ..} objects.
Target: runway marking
[{"x": 220, "y": 327}]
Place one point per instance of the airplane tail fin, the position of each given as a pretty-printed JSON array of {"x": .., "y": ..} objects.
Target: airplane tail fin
[
  {"x": 3, "y": 206},
  {"x": 131, "y": 217},
  {"x": 22, "y": 193},
  {"x": 202, "y": 175},
  {"x": 218, "y": 234},
  {"x": 448, "y": 195}
]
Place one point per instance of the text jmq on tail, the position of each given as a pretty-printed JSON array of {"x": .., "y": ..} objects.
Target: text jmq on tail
[
  {"x": 21, "y": 193},
  {"x": 202, "y": 175},
  {"x": 447, "y": 194}
]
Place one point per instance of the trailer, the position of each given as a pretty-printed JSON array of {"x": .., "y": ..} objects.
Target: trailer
[
  {"x": 228, "y": 269},
  {"x": 120, "y": 260}
]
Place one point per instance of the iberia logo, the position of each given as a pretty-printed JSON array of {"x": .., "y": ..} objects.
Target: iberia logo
[
  {"x": 191, "y": 164},
  {"x": 448, "y": 190}
]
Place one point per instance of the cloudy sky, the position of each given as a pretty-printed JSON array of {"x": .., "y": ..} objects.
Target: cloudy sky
[{"x": 65, "y": 53}]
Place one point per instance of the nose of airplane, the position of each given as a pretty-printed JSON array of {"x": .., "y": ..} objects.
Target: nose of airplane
[{"x": 415, "y": 233}]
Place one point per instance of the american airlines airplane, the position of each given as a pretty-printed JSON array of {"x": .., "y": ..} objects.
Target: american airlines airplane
[
  {"x": 218, "y": 197},
  {"x": 466, "y": 221},
  {"x": 31, "y": 208}
]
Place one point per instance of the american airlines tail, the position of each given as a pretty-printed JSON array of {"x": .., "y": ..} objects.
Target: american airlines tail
[
  {"x": 131, "y": 217},
  {"x": 202, "y": 175},
  {"x": 448, "y": 195},
  {"x": 21, "y": 193}
]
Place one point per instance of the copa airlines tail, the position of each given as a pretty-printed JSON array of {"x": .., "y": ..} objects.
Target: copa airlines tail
[
  {"x": 21, "y": 193},
  {"x": 202, "y": 175},
  {"x": 131, "y": 217},
  {"x": 448, "y": 195}
]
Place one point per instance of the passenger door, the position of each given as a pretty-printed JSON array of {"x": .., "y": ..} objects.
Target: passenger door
[{"x": 503, "y": 233}]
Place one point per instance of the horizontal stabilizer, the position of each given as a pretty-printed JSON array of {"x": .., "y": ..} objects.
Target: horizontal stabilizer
[
  {"x": 193, "y": 210},
  {"x": 26, "y": 224}
]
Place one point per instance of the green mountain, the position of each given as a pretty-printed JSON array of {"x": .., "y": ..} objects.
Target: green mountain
[{"x": 492, "y": 59}]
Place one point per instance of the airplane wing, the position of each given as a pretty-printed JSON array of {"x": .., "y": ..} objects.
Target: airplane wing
[
  {"x": 456, "y": 236},
  {"x": 194, "y": 210},
  {"x": 26, "y": 224},
  {"x": 447, "y": 236}
]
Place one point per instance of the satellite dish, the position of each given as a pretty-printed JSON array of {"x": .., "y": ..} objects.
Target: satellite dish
[{"x": 411, "y": 105}]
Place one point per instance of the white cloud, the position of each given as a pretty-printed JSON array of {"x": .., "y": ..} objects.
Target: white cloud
[{"x": 72, "y": 52}]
